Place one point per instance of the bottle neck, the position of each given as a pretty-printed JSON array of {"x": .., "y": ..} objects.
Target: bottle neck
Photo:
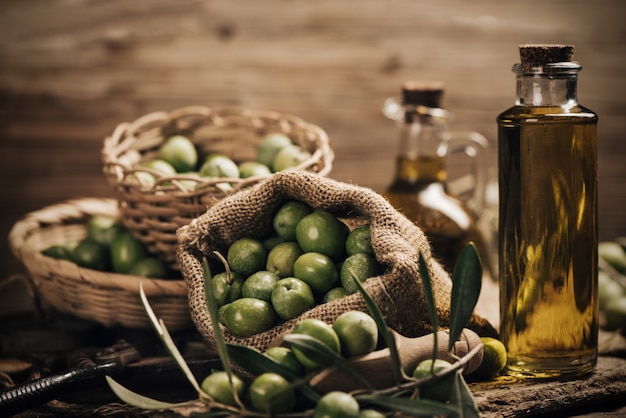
[
  {"x": 549, "y": 86},
  {"x": 421, "y": 155}
]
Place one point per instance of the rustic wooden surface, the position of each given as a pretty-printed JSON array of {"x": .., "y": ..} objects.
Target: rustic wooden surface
[
  {"x": 70, "y": 71},
  {"x": 604, "y": 390}
]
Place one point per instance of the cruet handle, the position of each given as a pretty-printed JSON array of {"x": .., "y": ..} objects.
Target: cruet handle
[{"x": 471, "y": 188}]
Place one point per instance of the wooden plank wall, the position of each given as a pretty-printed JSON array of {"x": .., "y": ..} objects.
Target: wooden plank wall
[{"x": 70, "y": 70}]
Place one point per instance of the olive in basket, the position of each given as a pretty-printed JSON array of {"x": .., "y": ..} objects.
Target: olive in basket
[
  {"x": 109, "y": 247},
  {"x": 179, "y": 155}
]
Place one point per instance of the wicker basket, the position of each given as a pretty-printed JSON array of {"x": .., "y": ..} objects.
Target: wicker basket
[
  {"x": 107, "y": 298},
  {"x": 153, "y": 213}
]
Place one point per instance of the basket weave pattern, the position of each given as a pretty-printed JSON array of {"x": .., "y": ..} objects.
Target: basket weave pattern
[
  {"x": 153, "y": 213},
  {"x": 107, "y": 298}
]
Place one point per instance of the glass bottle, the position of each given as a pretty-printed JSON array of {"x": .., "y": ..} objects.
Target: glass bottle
[
  {"x": 419, "y": 189},
  {"x": 548, "y": 220}
]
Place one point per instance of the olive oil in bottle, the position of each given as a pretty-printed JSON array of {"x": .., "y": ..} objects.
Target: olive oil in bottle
[
  {"x": 548, "y": 220},
  {"x": 419, "y": 188}
]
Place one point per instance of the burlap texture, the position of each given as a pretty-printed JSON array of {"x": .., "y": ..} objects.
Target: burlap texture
[{"x": 395, "y": 239}]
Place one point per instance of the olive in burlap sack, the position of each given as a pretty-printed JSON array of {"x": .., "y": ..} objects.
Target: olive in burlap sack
[{"x": 395, "y": 239}]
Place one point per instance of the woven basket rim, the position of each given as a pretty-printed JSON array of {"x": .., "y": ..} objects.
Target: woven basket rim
[{"x": 168, "y": 184}]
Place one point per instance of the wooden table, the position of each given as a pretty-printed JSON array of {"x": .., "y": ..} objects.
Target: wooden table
[{"x": 602, "y": 391}]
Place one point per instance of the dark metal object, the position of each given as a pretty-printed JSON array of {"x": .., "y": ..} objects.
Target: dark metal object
[
  {"x": 72, "y": 356},
  {"x": 110, "y": 362}
]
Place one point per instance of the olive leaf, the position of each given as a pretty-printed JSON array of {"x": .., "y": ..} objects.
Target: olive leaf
[
  {"x": 383, "y": 329},
  {"x": 414, "y": 407},
  {"x": 256, "y": 363},
  {"x": 137, "y": 400},
  {"x": 317, "y": 351},
  {"x": 430, "y": 300},
  {"x": 167, "y": 340},
  {"x": 140, "y": 401},
  {"x": 220, "y": 344},
  {"x": 463, "y": 398},
  {"x": 466, "y": 285}
]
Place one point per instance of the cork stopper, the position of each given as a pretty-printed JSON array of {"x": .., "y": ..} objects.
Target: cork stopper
[
  {"x": 423, "y": 93},
  {"x": 537, "y": 55}
]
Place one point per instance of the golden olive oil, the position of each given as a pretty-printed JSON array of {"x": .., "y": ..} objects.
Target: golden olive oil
[
  {"x": 419, "y": 192},
  {"x": 548, "y": 240}
]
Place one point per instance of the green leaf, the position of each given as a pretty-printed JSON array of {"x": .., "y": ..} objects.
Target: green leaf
[
  {"x": 257, "y": 363},
  {"x": 430, "y": 300},
  {"x": 410, "y": 406},
  {"x": 466, "y": 285},
  {"x": 383, "y": 329},
  {"x": 319, "y": 352},
  {"x": 165, "y": 336},
  {"x": 218, "y": 336},
  {"x": 222, "y": 351},
  {"x": 154, "y": 321},
  {"x": 463, "y": 398},
  {"x": 178, "y": 357},
  {"x": 137, "y": 400}
]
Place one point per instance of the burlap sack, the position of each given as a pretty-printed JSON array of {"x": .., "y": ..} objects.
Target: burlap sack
[{"x": 395, "y": 239}]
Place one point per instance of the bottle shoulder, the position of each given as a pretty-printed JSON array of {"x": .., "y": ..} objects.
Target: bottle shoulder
[{"x": 545, "y": 114}]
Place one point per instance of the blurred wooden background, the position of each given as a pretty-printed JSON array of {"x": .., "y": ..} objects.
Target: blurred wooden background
[{"x": 71, "y": 70}]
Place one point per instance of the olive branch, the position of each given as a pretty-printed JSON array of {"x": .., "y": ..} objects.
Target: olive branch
[{"x": 402, "y": 397}]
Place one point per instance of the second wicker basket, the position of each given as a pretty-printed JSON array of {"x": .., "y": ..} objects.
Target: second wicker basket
[{"x": 154, "y": 213}]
